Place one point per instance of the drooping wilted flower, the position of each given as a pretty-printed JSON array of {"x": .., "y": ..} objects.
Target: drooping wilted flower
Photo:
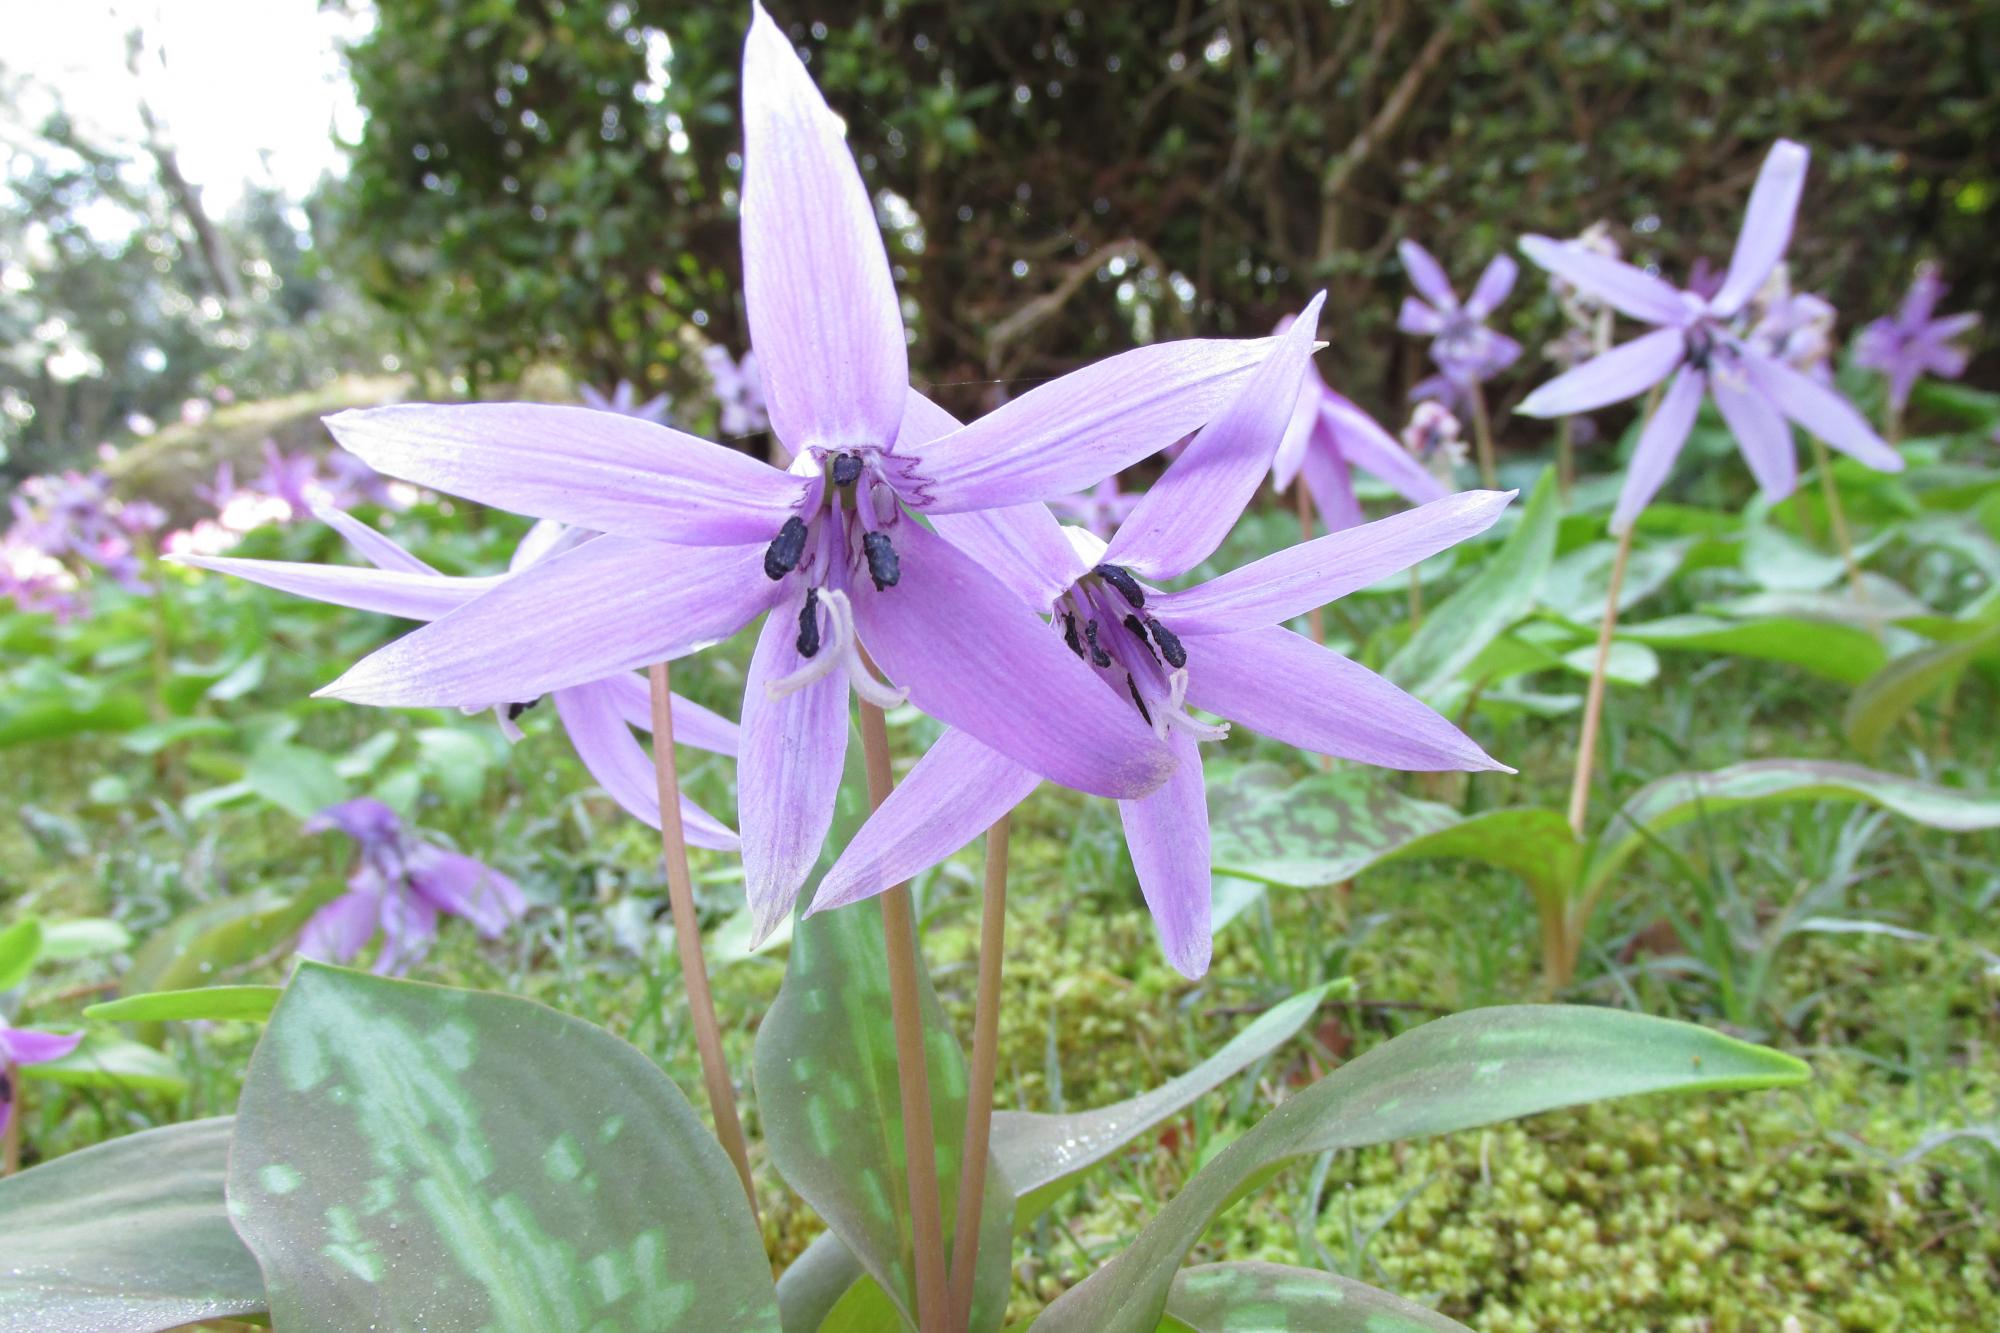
[
  {"x": 1695, "y": 343},
  {"x": 401, "y": 883},
  {"x": 1432, "y": 437},
  {"x": 1329, "y": 436},
  {"x": 1466, "y": 352},
  {"x": 27, "y": 1046},
  {"x": 598, "y": 715},
  {"x": 739, "y": 392},
  {"x": 1914, "y": 342},
  {"x": 831, "y": 546},
  {"x": 1220, "y": 647},
  {"x": 624, "y": 400}
]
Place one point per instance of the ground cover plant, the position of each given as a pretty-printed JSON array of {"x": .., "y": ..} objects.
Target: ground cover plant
[{"x": 402, "y": 835}]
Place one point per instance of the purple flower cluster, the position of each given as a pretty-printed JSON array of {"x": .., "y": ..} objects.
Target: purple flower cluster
[
  {"x": 65, "y": 526},
  {"x": 1467, "y": 353},
  {"x": 400, "y": 885},
  {"x": 1915, "y": 341}
]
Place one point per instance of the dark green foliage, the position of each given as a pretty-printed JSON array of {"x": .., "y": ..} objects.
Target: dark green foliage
[{"x": 1186, "y": 167}]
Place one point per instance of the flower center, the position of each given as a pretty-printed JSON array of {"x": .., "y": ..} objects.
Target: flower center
[{"x": 1104, "y": 621}]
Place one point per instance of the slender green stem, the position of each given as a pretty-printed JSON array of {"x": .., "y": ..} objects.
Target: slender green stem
[
  {"x": 985, "y": 1067},
  {"x": 1593, "y": 704},
  {"x": 899, "y": 934},
  {"x": 1836, "y": 515},
  {"x": 1565, "y": 457},
  {"x": 687, "y": 936}
]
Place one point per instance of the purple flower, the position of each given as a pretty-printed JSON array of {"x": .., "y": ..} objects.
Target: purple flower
[
  {"x": 598, "y": 715},
  {"x": 1465, "y": 350},
  {"x": 1793, "y": 327},
  {"x": 26, "y": 1046},
  {"x": 293, "y": 478},
  {"x": 624, "y": 400},
  {"x": 1432, "y": 437},
  {"x": 702, "y": 539},
  {"x": 349, "y": 482},
  {"x": 1100, "y": 509},
  {"x": 1329, "y": 436},
  {"x": 1910, "y": 343},
  {"x": 1695, "y": 342},
  {"x": 739, "y": 392},
  {"x": 399, "y": 885},
  {"x": 1220, "y": 647},
  {"x": 73, "y": 515}
]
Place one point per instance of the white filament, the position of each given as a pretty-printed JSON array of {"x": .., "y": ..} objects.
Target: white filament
[
  {"x": 1175, "y": 714},
  {"x": 840, "y": 646}
]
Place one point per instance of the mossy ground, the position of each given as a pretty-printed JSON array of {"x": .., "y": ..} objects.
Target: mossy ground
[{"x": 1796, "y": 1209}]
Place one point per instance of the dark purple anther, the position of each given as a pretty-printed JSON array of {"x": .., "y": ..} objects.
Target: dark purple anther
[
  {"x": 514, "y": 711},
  {"x": 1138, "y": 629},
  {"x": 1097, "y": 654},
  {"x": 782, "y": 556},
  {"x": 1069, "y": 634},
  {"x": 1133, "y": 687},
  {"x": 808, "y": 644},
  {"x": 883, "y": 564},
  {"x": 846, "y": 468},
  {"x": 1170, "y": 644},
  {"x": 1121, "y": 578}
]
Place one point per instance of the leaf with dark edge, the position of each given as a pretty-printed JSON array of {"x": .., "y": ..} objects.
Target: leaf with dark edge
[
  {"x": 1470, "y": 1069},
  {"x": 129, "y": 1236},
  {"x": 409, "y": 1156}
]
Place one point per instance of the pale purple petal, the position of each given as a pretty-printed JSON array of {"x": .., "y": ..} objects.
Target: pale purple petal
[
  {"x": 340, "y": 929},
  {"x": 695, "y": 726},
  {"x": 816, "y": 283},
  {"x": 1417, "y": 317},
  {"x": 409, "y": 927},
  {"x": 1021, "y": 545},
  {"x": 1375, "y": 451},
  {"x": 1426, "y": 274},
  {"x": 608, "y": 606},
  {"x": 788, "y": 772},
  {"x": 1659, "y": 445},
  {"x": 465, "y": 887},
  {"x": 953, "y": 795},
  {"x": 1298, "y": 437},
  {"x": 386, "y": 591},
  {"x": 1494, "y": 283},
  {"x": 1330, "y": 482},
  {"x": 1767, "y": 226},
  {"x": 1186, "y": 514},
  {"x": 1613, "y": 281},
  {"x": 591, "y": 469},
  {"x": 973, "y": 655},
  {"x": 1167, "y": 834},
  {"x": 26, "y": 1046},
  {"x": 1761, "y": 432},
  {"x": 378, "y": 550},
  {"x": 1073, "y": 432},
  {"x": 1626, "y": 371},
  {"x": 1287, "y": 687},
  {"x": 620, "y": 764},
  {"x": 1821, "y": 410},
  {"x": 1299, "y": 578},
  {"x": 540, "y": 542}
]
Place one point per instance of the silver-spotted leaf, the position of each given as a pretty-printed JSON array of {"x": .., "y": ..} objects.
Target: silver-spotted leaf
[
  {"x": 1274, "y": 1298},
  {"x": 413, "y": 1157}
]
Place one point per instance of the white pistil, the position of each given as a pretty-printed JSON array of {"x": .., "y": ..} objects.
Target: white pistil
[
  {"x": 1175, "y": 714},
  {"x": 839, "y": 647}
]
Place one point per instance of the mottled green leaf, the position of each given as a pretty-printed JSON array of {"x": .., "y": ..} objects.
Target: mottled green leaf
[
  {"x": 1273, "y": 1298},
  {"x": 1532, "y": 841},
  {"x": 82, "y": 937},
  {"x": 128, "y": 1236},
  {"x": 1470, "y": 1069},
  {"x": 205, "y": 941},
  {"x": 830, "y": 1099},
  {"x": 1887, "y": 697},
  {"x": 1501, "y": 593},
  {"x": 1625, "y": 664},
  {"x": 408, "y": 1156},
  {"x": 1575, "y": 584},
  {"x": 20, "y": 946},
  {"x": 105, "y": 1060},
  {"x": 1318, "y": 830},
  {"x": 1880, "y": 601},
  {"x": 1674, "y": 800},
  {"x": 1839, "y": 652},
  {"x": 249, "y": 1003}
]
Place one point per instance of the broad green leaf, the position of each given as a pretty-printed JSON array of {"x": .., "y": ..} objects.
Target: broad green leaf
[
  {"x": 1674, "y": 800},
  {"x": 129, "y": 1236},
  {"x": 1501, "y": 593},
  {"x": 49, "y": 719},
  {"x": 1318, "y": 830},
  {"x": 830, "y": 1099},
  {"x": 408, "y": 1156},
  {"x": 202, "y": 942},
  {"x": 20, "y": 946},
  {"x": 247, "y": 1003},
  {"x": 108, "y": 1061},
  {"x": 299, "y": 781},
  {"x": 455, "y": 760},
  {"x": 1839, "y": 652},
  {"x": 1575, "y": 585},
  {"x": 1273, "y": 1298},
  {"x": 1046, "y": 1154},
  {"x": 240, "y": 680},
  {"x": 1625, "y": 664},
  {"x": 1885, "y": 698},
  {"x": 157, "y": 736},
  {"x": 1532, "y": 841},
  {"x": 83, "y": 937},
  {"x": 862, "y": 1308},
  {"x": 1470, "y": 1069},
  {"x": 1880, "y": 601}
]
